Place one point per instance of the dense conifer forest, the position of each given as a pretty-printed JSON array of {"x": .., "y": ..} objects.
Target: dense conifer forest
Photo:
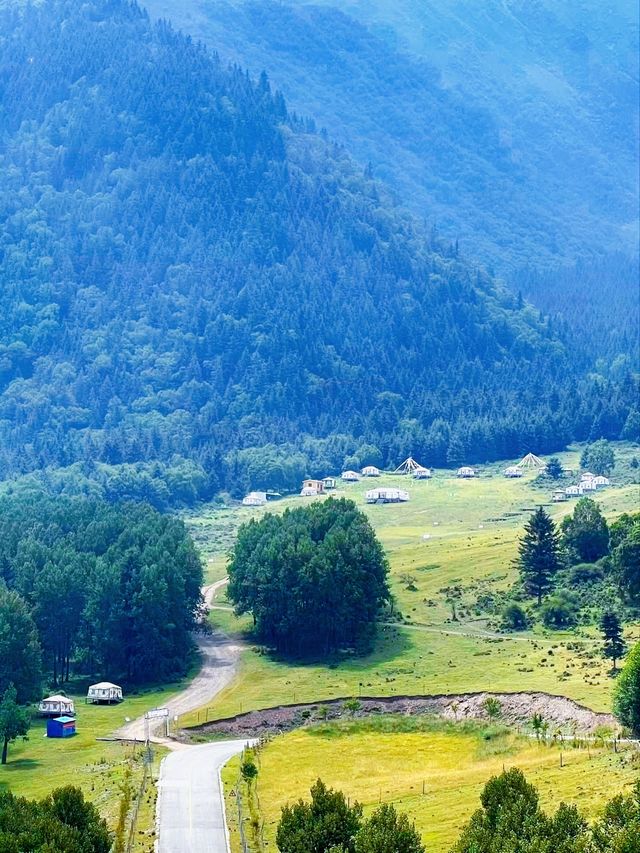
[
  {"x": 113, "y": 590},
  {"x": 199, "y": 289},
  {"x": 511, "y": 124}
]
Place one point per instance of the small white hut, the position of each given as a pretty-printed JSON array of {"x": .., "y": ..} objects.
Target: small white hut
[
  {"x": 350, "y": 476},
  {"x": 329, "y": 483},
  {"x": 573, "y": 491},
  {"x": 559, "y": 496},
  {"x": 601, "y": 482},
  {"x": 370, "y": 471},
  {"x": 587, "y": 476},
  {"x": 466, "y": 473},
  {"x": 56, "y": 706},
  {"x": 588, "y": 485},
  {"x": 421, "y": 473},
  {"x": 312, "y": 487},
  {"x": 255, "y": 499},
  {"x": 105, "y": 692},
  {"x": 512, "y": 471},
  {"x": 387, "y": 496}
]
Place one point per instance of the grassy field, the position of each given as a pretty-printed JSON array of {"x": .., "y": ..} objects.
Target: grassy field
[
  {"x": 39, "y": 765},
  {"x": 455, "y": 540},
  {"x": 391, "y": 759}
]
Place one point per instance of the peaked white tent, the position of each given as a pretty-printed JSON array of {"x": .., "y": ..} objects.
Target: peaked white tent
[
  {"x": 409, "y": 466},
  {"x": 531, "y": 461},
  {"x": 56, "y": 705}
]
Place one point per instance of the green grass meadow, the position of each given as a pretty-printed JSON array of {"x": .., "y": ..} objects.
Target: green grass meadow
[
  {"x": 472, "y": 528},
  {"x": 432, "y": 770}
]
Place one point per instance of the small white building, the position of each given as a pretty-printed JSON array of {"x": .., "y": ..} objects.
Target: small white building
[
  {"x": 370, "y": 471},
  {"x": 559, "y": 496},
  {"x": 57, "y": 706},
  {"x": 574, "y": 491},
  {"x": 387, "y": 496},
  {"x": 601, "y": 482},
  {"x": 587, "y": 476},
  {"x": 255, "y": 499},
  {"x": 512, "y": 471},
  {"x": 329, "y": 483},
  {"x": 105, "y": 692},
  {"x": 421, "y": 473},
  {"x": 588, "y": 485},
  {"x": 350, "y": 476},
  {"x": 312, "y": 487},
  {"x": 466, "y": 473}
]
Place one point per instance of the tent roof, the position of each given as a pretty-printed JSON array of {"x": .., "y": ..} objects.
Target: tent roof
[
  {"x": 103, "y": 685},
  {"x": 531, "y": 461},
  {"x": 408, "y": 466},
  {"x": 57, "y": 698}
]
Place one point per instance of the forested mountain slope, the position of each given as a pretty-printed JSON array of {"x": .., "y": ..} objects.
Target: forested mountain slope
[
  {"x": 188, "y": 274},
  {"x": 511, "y": 125}
]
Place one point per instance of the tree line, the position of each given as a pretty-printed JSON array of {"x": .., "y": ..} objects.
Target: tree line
[
  {"x": 159, "y": 233},
  {"x": 509, "y": 820},
  {"x": 88, "y": 587}
]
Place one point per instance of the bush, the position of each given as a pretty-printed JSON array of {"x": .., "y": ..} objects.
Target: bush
[
  {"x": 560, "y": 611},
  {"x": 585, "y": 574},
  {"x": 514, "y": 618}
]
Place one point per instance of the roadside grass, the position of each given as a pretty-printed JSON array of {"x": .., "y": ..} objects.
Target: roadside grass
[
  {"x": 37, "y": 766},
  {"x": 472, "y": 528},
  {"x": 379, "y": 764}
]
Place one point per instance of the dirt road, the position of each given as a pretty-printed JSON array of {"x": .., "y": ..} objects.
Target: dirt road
[{"x": 219, "y": 660}]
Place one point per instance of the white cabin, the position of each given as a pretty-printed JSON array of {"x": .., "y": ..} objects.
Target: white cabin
[
  {"x": 466, "y": 473},
  {"x": 329, "y": 483},
  {"x": 421, "y": 473},
  {"x": 104, "y": 691},
  {"x": 56, "y": 706},
  {"x": 387, "y": 496},
  {"x": 370, "y": 471},
  {"x": 587, "y": 476},
  {"x": 601, "y": 482},
  {"x": 255, "y": 499},
  {"x": 559, "y": 496},
  {"x": 350, "y": 476},
  {"x": 588, "y": 485},
  {"x": 573, "y": 491},
  {"x": 513, "y": 471}
]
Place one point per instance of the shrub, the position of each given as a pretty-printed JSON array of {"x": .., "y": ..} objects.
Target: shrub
[
  {"x": 560, "y": 611},
  {"x": 514, "y": 618}
]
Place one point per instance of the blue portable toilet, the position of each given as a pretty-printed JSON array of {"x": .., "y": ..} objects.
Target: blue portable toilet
[{"x": 61, "y": 727}]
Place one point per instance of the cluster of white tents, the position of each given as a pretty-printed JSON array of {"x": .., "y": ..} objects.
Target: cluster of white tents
[
  {"x": 588, "y": 483},
  {"x": 59, "y": 704}
]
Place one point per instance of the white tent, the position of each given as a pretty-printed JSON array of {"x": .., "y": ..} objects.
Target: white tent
[
  {"x": 531, "y": 461},
  {"x": 255, "y": 499},
  {"x": 56, "y": 706},
  {"x": 350, "y": 476},
  {"x": 104, "y": 691},
  {"x": 387, "y": 496},
  {"x": 513, "y": 471},
  {"x": 601, "y": 481},
  {"x": 421, "y": 473},
  {"x": 409, "y": 466},
  {"x": 370, "y": 471},
  {"x": 466, "y": 473}
]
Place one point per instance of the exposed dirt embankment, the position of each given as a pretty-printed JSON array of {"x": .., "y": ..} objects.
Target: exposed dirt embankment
[{"x": 516, "y": 709}]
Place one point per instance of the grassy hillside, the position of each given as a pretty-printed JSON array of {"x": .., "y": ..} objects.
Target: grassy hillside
[
  {"x": 509, "y": 125},
  {"x": 472, "y": 528},
  {"x": 383, "y": 761}
]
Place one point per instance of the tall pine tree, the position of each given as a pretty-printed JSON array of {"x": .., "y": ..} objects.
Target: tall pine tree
[
  {"x": 614, "y": 645},
  {"x": 539, "y": 554}
]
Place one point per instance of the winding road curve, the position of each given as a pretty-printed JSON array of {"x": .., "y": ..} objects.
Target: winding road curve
[{"x": 190, "y": 813}]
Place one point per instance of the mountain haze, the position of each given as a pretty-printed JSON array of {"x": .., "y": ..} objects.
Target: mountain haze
[
  {"x": 198, "y": 289},
  {"x": 511, "y": 125}
]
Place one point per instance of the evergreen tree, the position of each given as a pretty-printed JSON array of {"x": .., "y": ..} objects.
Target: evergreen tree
[
  {"x": 539, "y": 554},
  {"x": 598, "y": 458},
  {"x": 554, "y": 468},
  {"x": 327, "y": 821},
  {"x": 20, "y": 653},
  {"x": 586, "y": 533},
  {"x": 626, "y": 700},
  {"x": 614, "y": 645},
  {"x": 386, "y": 831},
  {"x": 14, "y": 720}
]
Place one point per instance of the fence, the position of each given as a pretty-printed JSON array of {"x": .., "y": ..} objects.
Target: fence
[
  {"x": 133, "y": 819},
  {"x": 256, "y": 842}
]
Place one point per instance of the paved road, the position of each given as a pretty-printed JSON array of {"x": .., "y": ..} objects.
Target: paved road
[
  {"x": 190, "y": 804},
  {"x": 219, "y": 659}
]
